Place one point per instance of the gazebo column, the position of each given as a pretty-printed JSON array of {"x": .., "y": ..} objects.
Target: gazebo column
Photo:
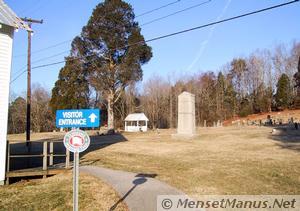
[{"x": 125, "y": 125}]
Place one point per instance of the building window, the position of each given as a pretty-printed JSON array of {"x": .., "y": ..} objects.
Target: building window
[{"x": 142, "y": 123}]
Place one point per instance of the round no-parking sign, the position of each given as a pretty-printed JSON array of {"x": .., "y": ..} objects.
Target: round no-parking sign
[{"x": 77, "y": 141}]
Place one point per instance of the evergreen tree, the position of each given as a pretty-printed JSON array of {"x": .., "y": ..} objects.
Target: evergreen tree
[
  {"x": 246, "y": 107},
  {"x": 71, "y": 90},
  {"x": 114, "y": 50},
  {"x": 261, "y": 99},
  {"x": 297, "y": 85},
  {"x": 299, "y": 64},
  {"x": 297, "y": 75},
  {"x": 230, "y": 100},
  {"x": 282, "y": 96}
]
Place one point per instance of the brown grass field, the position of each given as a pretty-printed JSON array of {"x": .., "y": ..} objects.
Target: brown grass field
[
  {"x": 246, "y": 160},
  {"x": 226, "y": 160},
  {"x": 55, "y": 193}
]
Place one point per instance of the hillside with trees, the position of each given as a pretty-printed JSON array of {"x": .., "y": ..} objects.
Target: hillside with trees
[{"x": 266, "y": 80}]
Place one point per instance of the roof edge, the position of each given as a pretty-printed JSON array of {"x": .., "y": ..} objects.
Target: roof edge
[{"x": 10, "y": 18}]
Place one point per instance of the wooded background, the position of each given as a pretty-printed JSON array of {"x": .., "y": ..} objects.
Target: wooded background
[{"x": 266, "y": 80}]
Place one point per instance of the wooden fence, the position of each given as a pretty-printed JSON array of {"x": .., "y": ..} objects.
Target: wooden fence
[{"x": 47, "y": 156}]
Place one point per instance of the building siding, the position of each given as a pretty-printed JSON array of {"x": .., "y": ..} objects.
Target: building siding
[{"x": 6, "y": 41}]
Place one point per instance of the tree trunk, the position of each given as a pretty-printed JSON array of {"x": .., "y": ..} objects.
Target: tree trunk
[
  {"x": 110, "y": 112},
  {"x": 171, "y": 109}
]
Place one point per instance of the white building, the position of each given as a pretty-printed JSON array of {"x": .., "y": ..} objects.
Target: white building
[
  {"x": 136, "y": 122},
  {"x": 9, "y": 22}
]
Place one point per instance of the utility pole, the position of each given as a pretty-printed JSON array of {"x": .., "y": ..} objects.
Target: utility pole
[{"x": 28, "y": 108}]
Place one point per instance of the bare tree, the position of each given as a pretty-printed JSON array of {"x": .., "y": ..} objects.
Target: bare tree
[
  {"x": 155, "y": 101},
  {"x": 42, "y": 117},
  {"x": 17, "y": 116}
]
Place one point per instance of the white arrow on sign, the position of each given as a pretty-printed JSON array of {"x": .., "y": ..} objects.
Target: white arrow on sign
[{"x": 93, "y": 117}]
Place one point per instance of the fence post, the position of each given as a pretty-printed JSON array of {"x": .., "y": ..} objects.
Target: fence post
[
  {"x": 67, "y": 158},
  {"x": 51, "y": 154},
  {"x": 7, "y": 161},
  {"x": 45, "y": 156}
]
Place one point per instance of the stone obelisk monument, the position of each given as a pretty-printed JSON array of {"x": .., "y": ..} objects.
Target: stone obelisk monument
[{"x": 186, "y": 127}]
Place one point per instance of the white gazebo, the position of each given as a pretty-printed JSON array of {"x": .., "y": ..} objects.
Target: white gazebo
[
  {"x": 9, "y": 22},
  {"x": 136, "y": 122}
]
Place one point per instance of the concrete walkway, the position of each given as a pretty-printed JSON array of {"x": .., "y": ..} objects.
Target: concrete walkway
[{"x": 139, "y": 191}]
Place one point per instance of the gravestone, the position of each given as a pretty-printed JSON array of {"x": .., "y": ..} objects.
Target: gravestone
[{"x": 186, "y": 115}]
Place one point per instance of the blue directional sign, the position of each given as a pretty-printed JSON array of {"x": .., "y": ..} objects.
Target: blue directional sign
[{"x": 78, "y": 118}]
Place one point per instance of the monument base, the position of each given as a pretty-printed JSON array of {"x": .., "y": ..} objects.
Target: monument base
[{"x": 180, "y": 136}]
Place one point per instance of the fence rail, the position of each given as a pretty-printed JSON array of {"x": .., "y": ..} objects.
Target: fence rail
[{"x": 47, "y": 167}]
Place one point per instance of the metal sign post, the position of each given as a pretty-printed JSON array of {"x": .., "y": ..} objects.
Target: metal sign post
[
  {"x": 76, "y": 141},
  {"x": 75, "y": 181}
]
